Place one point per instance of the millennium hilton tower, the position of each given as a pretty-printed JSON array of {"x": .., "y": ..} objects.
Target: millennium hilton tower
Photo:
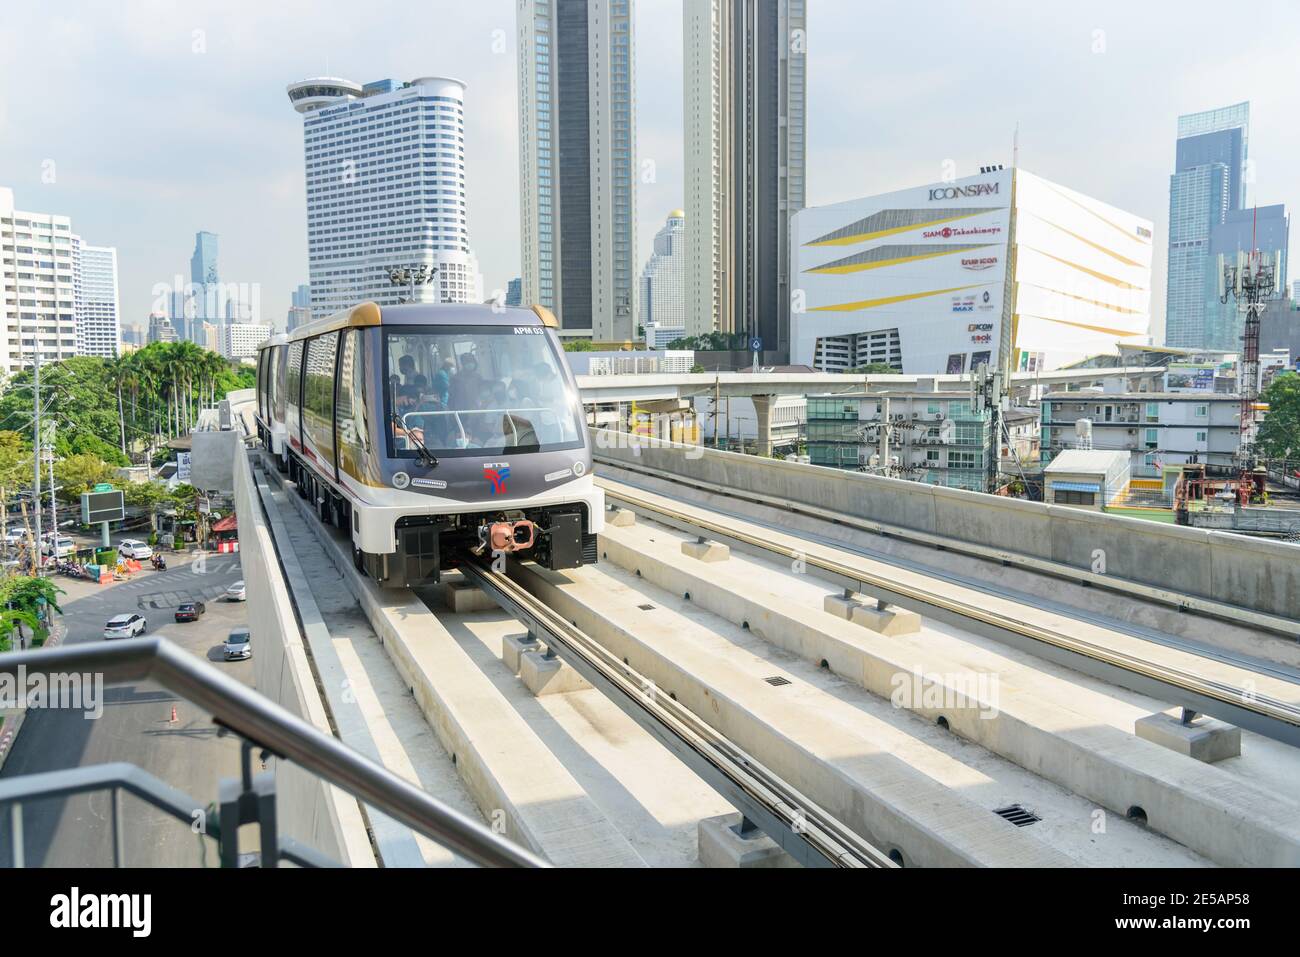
[{"x": 385, "y": 188}]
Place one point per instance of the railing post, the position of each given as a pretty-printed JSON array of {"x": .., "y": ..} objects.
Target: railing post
[
  {"x": 16, "y": 835},
  {"x": 228, "y": 793},
  {"x": 264, "y": 789},
  {"x": 119, "y": 846}
]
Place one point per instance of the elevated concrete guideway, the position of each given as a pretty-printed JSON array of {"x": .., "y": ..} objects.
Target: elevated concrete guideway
[
  {"x": 764, "y": 387},
  {"x": 647, "y": 387}
]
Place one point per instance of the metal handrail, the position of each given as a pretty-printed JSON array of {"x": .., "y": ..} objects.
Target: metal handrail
[{"x": 261, "y": 720}]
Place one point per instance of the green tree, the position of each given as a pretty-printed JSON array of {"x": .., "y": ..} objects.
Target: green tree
[
  {"x": 144, "y": 494},
  {"x": 1279, "y": 433},
  {"x": 80, "y": 473},
  {"x": 28, "y": 600},
  {"x": 578, "y": 345},
  {"x": 874, "y": 368},
  {"x": 15, "y": 471},
  {"x": 131, "y": 404}
]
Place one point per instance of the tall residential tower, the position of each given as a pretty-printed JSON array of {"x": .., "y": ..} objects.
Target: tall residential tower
[
  {"x": 577, "y": 163},
  {"x": 745, "y": 111},
  {"x": 42, "y": 295},
  {"x": 99, "y": 329},
  {"x": 385, "y": 189}
]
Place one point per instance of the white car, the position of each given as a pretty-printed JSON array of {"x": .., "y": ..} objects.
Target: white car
[
  {"x": 239, "y": 644},
  {"x": 62, "y": 549},
  {"x": 236, "y": 592},
  {"x": 15, "y": 536},
  {"x": 133, "y": 548},
  {"x": 125, "y": 626}
]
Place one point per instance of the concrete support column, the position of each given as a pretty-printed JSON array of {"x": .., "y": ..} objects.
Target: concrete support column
[{"x": 763, "y": 413}]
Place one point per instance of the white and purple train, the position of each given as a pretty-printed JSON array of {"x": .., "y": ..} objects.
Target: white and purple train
[{"x": 434, "y": 432}]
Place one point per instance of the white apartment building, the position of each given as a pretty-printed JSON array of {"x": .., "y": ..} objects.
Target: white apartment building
[
  {"x": 385, "y": 167},
  {"x": 577, "y": 163},
  {"x": 745, "y": 118},
  {"x": 239, "y": 340},
  {"x": 99, "y": 328},
  {"x": 663, "y": 283},
  {"x": 1157, "y": 429},
  {"x": 40, "y": 272}
]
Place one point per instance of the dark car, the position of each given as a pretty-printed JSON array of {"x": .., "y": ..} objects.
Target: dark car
[{"x": 189, "y": 610}]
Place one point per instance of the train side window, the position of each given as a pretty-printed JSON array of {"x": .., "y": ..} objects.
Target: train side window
[
  {"x": 318, "y": 396},
  {"x": 293, "y": 376},
  {"x": 356, "y": 455}
]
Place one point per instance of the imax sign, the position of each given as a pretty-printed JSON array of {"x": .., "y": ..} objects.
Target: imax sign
[{"x": 960, "y": 192}]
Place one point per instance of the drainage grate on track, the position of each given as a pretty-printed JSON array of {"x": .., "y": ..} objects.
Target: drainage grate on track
[
  {"x": 1017, "y": 815},
  {"x": 646, "y": 607},
  {"x": 777, "y": 681}
]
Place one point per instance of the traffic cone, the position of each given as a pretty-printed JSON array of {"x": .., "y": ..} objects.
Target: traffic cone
[{"x": 173, "y": 718}]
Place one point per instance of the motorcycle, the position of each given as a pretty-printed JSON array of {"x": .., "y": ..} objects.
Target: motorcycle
[{"x": 159, "y": 563}]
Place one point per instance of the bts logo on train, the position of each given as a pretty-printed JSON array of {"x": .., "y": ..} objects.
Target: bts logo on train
[{"x": 496, "y": 474}]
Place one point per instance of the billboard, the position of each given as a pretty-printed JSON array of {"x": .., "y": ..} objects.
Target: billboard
[
  {"x": 919, "y": 270},
  {"x": 924, "y": 272},
  {"x": 1190, "y": 377},
  {"x": 99, "y": 507}
]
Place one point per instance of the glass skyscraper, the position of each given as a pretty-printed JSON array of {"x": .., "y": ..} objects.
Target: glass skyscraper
[
  {"x": 204, "y": 274},
  {"x": 1209, "y": 182},
  {"x": 1242, "y": 231}
]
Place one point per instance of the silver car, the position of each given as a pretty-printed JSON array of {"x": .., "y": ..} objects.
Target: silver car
[{"x": 239, "y": 644}]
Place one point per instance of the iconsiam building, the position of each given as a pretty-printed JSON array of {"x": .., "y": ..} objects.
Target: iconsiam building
[{"x": 944, "y": 277}]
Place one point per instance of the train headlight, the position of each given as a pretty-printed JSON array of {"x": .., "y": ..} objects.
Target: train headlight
[{"x": 401, "y": 480}]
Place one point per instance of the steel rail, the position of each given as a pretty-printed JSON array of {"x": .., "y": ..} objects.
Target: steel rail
[
  {"x": 806, "y": 831},
  {"x": 1267, "y": 715},
  {"x": 270, "y": 726}
]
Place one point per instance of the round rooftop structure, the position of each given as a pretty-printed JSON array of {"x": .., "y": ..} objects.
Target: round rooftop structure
[
  {"x": 677, "y": 214},
  {"x": 317, "y": 92},
  {"x": 442, "y": 85}
]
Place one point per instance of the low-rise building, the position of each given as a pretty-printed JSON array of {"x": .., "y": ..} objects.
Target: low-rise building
[
  {"x": 1156, "y": 428},
  {"x": 241, "y": 339},
  {"x": 936, "y": 437},
  {"x": 1086, "y": 478}
]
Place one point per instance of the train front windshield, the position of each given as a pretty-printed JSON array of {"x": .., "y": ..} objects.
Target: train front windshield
[{"x": 478, "y": 389}]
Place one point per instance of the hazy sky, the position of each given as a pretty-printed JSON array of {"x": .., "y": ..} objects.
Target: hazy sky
[{"x": 155, "y": 120}]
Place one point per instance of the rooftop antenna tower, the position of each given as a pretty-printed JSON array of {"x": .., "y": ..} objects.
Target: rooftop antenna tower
[{"x": 1251, "y": 281}]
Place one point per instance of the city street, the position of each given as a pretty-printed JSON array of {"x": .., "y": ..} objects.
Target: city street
[{"x": 135, "y": 726}]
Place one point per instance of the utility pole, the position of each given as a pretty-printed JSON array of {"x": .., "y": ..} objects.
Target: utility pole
[
  {"x": 987, "y": 399},
  {"x": 50, "y": 424},
  {"x": 884, "y": 434},
  {"x": 36, "y": 443}
]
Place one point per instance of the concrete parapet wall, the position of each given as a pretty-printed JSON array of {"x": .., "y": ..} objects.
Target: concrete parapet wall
[
  {"x": 309, "y": 809},
  {"x": 1234, "y": 570}
]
